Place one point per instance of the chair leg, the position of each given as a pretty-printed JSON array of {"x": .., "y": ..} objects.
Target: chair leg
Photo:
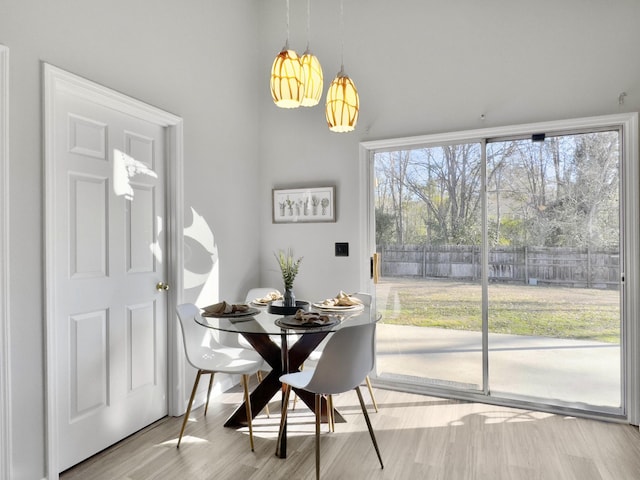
[
  {"x": 318, "y": 415},
  {"x": 266, "y": 407},
  {"x": 366, "y": 417},
  {"x": 247, "y": 402},
  {"x": 206, "y": 405},
  {"x": 331, "y": 419},
  {"x": 283, "y": 416},
  {"x": 295, "y": 396},
  {"x": 186, "y": 415},
  {"x": 373, "y": 399}
]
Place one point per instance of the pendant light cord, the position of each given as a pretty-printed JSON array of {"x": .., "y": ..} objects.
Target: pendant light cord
[
  {"x": 308, "y": 22},
  {"x": 341, "y": 35},
  {"x": 286, "y": 45}
]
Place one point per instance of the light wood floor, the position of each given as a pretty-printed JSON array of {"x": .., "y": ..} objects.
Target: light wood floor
[{"x": 420, "y": 438}]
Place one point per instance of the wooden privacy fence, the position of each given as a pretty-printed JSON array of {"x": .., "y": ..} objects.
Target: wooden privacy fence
[{"x": 576, "y": 267}]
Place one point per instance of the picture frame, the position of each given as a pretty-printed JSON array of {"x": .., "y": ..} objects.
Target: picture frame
[{"x": 304, "y": 205}]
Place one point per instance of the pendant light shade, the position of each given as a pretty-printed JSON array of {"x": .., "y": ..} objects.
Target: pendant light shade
[
  {"x": 312, "y": 73},
  {"x": 287, "y": 79},
  {"x": 343, "y": 104}
]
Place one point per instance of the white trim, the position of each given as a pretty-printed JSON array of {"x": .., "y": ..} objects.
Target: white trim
[
  {"x": 57, "y": 80},
  {"x": 511, "y": 130},
  {"x": 631, "y": 220},
  {"x": 367, "y": 221},
  {"x": 175, "y": 258},
  {"x": 5, "y": 370},
  {"x": 631, "y": 229}
]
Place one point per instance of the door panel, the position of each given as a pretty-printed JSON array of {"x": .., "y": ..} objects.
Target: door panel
[
  {"x": 142, "y": 346},
  {"x": 140, "y": 230},
  {"x": 87, "y": 137},
  {"x": 554, "y": 250},
  {"x": 89, "y": 363},
  {"x": 88, "y": 227},
  {"x": 429, "y": 292}
]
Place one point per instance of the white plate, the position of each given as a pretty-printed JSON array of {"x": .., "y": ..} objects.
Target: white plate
[
  {"x": 336, "y": 308},
  {"x": 259, "y": 304}
]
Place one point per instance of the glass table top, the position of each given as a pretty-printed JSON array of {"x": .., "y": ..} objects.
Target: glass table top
[{"x": 264, "y": 322}]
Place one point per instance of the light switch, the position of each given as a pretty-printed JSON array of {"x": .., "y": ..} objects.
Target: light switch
[{"x": 342, "y": 249}]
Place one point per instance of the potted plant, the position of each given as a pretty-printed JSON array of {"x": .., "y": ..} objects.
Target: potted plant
[{"x": 289, "y": 267}]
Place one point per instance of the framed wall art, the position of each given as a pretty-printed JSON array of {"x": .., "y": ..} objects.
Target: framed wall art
[{"x": 299, "y": 205}]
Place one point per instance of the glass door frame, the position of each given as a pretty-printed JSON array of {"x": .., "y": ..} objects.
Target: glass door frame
[{"x": 627, "y": 123}]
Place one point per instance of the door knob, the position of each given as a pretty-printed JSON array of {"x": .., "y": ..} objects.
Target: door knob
[{"x": 162, "y": 286}]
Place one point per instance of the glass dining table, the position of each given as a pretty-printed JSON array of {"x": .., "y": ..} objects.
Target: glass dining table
[{"x": 260, "y": 328}]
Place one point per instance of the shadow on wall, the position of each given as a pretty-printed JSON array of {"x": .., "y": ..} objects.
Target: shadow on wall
[{"x": 201, "y": 267}]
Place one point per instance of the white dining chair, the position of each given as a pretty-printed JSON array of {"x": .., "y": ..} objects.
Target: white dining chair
[
  {"x": 207, "y": 355},
  {"x": 253, "y": 294},
  {"x": 259, "y": 292},
  {"x": 348, "y": 357},
  {"x": 366, "y": 300},
  {"x": 233, "y": 339}
]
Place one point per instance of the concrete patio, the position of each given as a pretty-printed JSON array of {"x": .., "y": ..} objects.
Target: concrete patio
[{"x": 573, "y": 371}]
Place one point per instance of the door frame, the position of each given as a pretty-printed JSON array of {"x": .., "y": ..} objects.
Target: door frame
[
  {"x": 57, "y": 80},
  {"x": 628, "y": 122},
  {"x": 5, "y": 383}
]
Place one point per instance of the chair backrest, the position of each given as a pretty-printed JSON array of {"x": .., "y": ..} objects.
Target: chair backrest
[
  {"x": 259, "y": 292},
  {"x": 197, "y": 339},
  {"x": 346, "y": 360},
  {"x": 365, "y": 298}
]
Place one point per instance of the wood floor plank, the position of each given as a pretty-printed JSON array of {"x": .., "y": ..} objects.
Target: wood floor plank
[{"x": 419, "y": 437}]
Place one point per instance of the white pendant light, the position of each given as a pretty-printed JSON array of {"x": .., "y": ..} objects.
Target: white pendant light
[
  {"x": 313, "y": 80},
  {"x": 287, "y": 77},
  {"x": 287, "y": 86},
  {"x": 343, "y": 103},
  {"x": 312, "y": 71}
]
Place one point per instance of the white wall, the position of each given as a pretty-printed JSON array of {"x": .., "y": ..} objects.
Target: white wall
[
  {"x": 428, "y": 67},
  {"x": 196, "y": 59},
  {"x": 420, "y": 67},
  {"x": 5, "y": 418}
]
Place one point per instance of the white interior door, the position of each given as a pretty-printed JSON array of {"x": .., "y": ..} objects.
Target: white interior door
[{"x": 110, "y": 319}]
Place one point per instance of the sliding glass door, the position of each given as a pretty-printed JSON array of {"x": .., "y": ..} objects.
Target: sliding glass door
[
  {"x": 501, "y": 266},
  {"x": 428, "y": 232},
  {"x": 554, "y": 274}
]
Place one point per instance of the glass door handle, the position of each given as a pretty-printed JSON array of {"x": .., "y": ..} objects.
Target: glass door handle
[{"x": 375, "y": 267}]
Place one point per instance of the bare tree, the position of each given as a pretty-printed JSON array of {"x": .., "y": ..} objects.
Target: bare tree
[
  {"x": 559, "y": 192},
  {"x": 447, "y": 179},
  {"x": 563, "y": 191},
  {"x": 391, "y": 186}
]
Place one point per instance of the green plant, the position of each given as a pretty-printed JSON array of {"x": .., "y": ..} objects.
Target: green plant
[{"x": 289, "y": 267}]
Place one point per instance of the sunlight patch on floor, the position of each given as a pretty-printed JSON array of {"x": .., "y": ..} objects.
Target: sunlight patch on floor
[{"x": 186, "y": 439}]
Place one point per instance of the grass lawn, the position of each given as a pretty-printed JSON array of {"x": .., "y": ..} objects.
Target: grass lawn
[{"x": 551, "y": 311}]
